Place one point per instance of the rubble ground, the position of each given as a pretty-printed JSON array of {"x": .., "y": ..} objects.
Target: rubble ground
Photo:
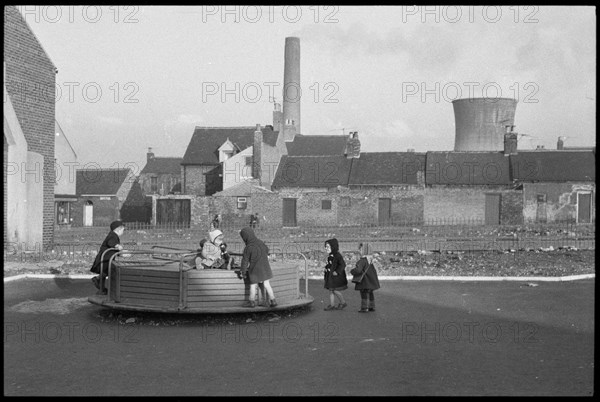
[
  {"x": 541, "y": 262},
  {"x": 77, "y": 248}
]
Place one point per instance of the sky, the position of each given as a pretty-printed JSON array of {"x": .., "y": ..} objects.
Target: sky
[{"x": 133, "y": 77}]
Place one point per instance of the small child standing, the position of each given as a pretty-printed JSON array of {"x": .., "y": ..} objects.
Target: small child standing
[
  {"x": 370, "y": 281},
  {"x": 335, "y": 275}
]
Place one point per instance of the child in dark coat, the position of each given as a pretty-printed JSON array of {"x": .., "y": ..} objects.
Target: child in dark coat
[
  {"x": 255, "y": 266},
  {"x": 335, "y": 275},
  {"x": 109, "y": 247},
  {"x": 370, "y": 281}
]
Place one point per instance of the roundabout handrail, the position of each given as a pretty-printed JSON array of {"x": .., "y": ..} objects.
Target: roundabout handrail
[
  {"x": 185, "y": 252},
  {"x": 283, "y": 253}
]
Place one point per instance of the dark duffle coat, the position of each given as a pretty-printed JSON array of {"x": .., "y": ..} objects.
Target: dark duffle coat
[
  {"x": 111, "y": 240},
  {"x": 335, "y": 263},
  {"x": 255, "y": 257},
  {"x": 370, "y": 280}
]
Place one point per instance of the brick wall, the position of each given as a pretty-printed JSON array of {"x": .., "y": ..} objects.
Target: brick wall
[
  {"x": 464, "y": 204},
  {"x": 269, "y": 162},
  {"x": 195, "y": 179},
  {"x": 511, "y": 207},
  {"x": 348, "y": 207},
  {"x": 561, "y": 200},
  {"x": 164, "y": 181},
  {"x": 406, "y": 205},
  {"x": 30, "y": 81},
  {"x": 105, "y": 211}
]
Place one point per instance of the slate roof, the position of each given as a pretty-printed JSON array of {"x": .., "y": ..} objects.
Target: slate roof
[
  {"x": 317, "y": 145},
  {"x": 163, "y": 166},
  {"x": 100, "y": 181},
  {"x": 386, "y": 168},
  {"x": 553, "y": 166},
  {"x": 205, "y": 142},
  {"x": 243, "y": 189},
  {"x": 467, "y": 168},
  {"x": 312, "y": 171}
]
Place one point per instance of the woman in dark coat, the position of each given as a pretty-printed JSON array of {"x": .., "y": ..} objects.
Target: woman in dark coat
[
  {"x": 112, "y": 240},
  {"x": 335, "y": 275},
  {"x": 370, "y": 281},
  {"x": 255, "y": 266}
]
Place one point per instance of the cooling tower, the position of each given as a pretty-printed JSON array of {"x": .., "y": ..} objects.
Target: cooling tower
[
  {"x": 291, "y": 83},
  {"x": 480, "y": 123}
]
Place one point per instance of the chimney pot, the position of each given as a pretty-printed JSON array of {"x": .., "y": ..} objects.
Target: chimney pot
[{"x": 510, "y": 143}]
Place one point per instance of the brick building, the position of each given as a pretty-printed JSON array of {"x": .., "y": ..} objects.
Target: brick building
[
  {"x": 29, "y": 131},
  {"x": 557, "y": 185},
  {"x": 470, "y": 187},
  {"x": 101, "y": 194},
  {"x": 220, "y": 157},
  {"x": 160, "y": 175}
]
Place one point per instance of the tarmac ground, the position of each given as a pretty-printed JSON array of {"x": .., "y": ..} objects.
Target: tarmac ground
[{"x": 447, "y": 338}]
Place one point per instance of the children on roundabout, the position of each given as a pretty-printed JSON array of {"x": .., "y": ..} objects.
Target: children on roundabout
[{"x": 255, "y": 268}]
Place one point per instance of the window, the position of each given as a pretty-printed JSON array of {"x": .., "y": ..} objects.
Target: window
[
  {"x": 248, "y": 160},
  {"x": 345, "y": 201},
  {"x": 325, "y": 204},
  {"x": 63, "y": 212},
  {"x": 242, "y": 202},
  {"x": 154, "y": 184}
]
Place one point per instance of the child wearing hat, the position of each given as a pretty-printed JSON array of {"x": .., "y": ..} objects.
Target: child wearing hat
[
  {"x": 212, "y": 255},
  {"x": 112, "y": 241},
  {"x": 370, "y": 281}
]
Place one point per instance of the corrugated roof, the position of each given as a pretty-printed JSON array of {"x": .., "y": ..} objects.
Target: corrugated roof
[
  {"x": 163, "y": 166},
  {"x": 100, "y": 181},
  {"x": 205, "y": 142},
  {"x": 386, "y": 168},
  {"x": 553, "y": 165},
  {"x": 317, "y": 145},
  {"x": 243, "y": 189},
  {"x": 312, "y": 171},
  {"x": 467, "y": 168}
]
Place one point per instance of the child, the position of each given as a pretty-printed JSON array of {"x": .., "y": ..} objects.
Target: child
[
  {"x": 100, "y": 265},
  {"x": 195, "y": 260},
  {"x": 216, "y": 222},
  {"x": 370, "y": 282},
  {"x": 255, "y": 266},
  {"x": 335, "y": 275},
  {"x": 211, "y": 255},
  {"x": 227, "y": 259}
]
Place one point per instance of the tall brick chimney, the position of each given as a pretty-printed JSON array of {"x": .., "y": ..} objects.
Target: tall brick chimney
[
  {"x": 560, "y": 144},
  {"x": 257, "y": 153},
  {"x": 149, "y": 155},
  {"x": 510, "y": 141},
  {"x": 352, "y": 149},
  {"x": 291, "y": 87}
]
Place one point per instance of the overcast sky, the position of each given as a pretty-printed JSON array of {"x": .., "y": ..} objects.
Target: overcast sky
[{"x": 130, "y": 78}]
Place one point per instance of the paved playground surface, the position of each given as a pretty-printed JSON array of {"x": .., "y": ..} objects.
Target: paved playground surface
[{"x": 426, "y": 338}]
